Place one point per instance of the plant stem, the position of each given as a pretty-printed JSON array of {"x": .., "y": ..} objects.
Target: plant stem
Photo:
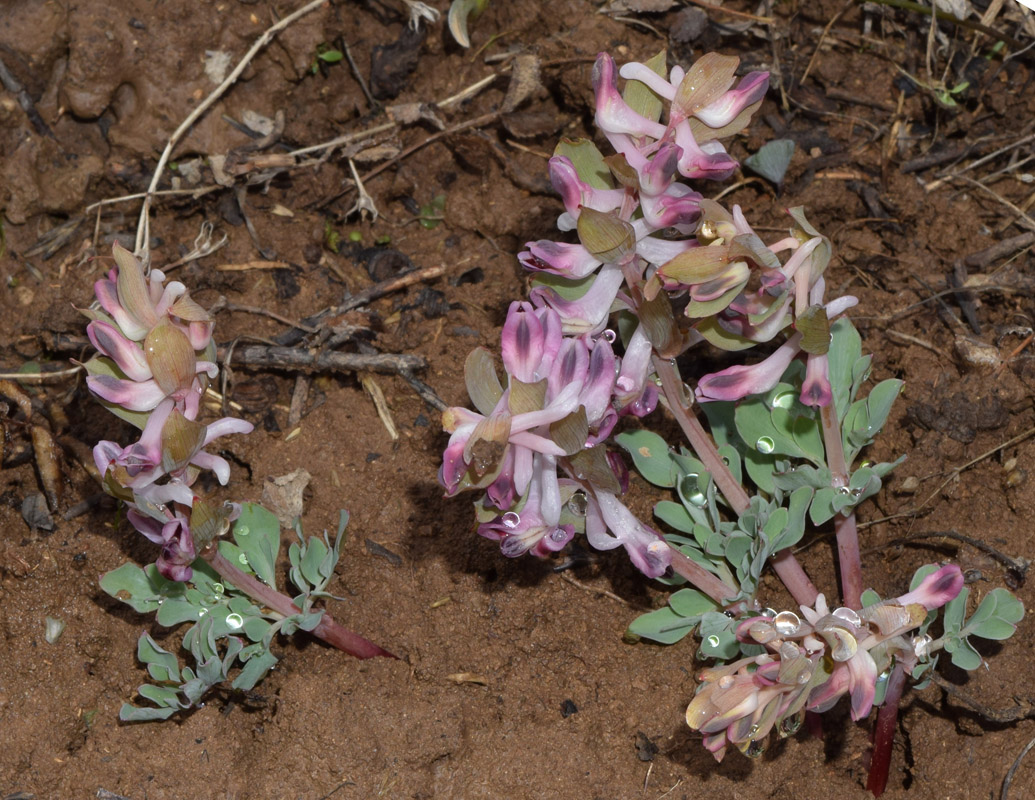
[
  {"x": 784, "y": 563},
  {"x": 884, "y": 732},
  {"x": 702, "y": 444},
  {"x": 789, "y": 570},
  {"x": 713, "y": 586},
  {"x": 328, "y": 630},
  {"x": 848, "y": 558}
]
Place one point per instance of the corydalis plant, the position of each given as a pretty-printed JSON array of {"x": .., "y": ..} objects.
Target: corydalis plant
[
  {"x": 654, "y": 264},
  {"x": 155, "y": 359}
]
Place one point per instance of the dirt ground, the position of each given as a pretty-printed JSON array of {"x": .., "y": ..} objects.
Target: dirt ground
[{"x": 910, "y": 178}]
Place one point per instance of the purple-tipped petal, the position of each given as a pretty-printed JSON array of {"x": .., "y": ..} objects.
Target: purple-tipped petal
[
  {"x": 815, "y": 389},
  {"x": 522, "y": 342},
  {"x": 738, "y": 382},
  {"x": 709, "y": 160},
  {"x": 722, "y": 112},
  {"x": 936, "y": 589},
  {"x": 587, "y": 314},
  {"x": 559, "y": 258},
  {"x": 613, "y": 115},
  {"x": 131, "y": 395},
  {"x": 633, "y": 392},
  {"x": 127, "y": 355}
]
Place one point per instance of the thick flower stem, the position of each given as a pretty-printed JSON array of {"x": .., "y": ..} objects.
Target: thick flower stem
[
  {"x": 713, "y": 586},
  {"x": 701, "y": 443},
  {"x": 884, "y": 732},
  {"x": 784, "y": 563},
  {"x": 848, "y": 558},
  {"x": 328, "y": 630}
]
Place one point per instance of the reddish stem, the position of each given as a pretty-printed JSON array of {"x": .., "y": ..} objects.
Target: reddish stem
[
  {"x": 789, "y": 570},
  {"x": 713, "y": 586},
  {"x": 884, "y": 732},
  {"x": 784, "y": 563},
  {"x": 848, "y": 558},
  {"x": 328, "y": 630}
]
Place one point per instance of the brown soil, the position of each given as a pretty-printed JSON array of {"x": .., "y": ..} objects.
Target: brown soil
[{"x": 111, "y": 82}]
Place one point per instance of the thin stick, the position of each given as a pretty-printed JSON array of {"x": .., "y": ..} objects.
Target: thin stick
[
  {"x": 199, "y": 192},
  {"x": 593, "y": 590},
  {"x": 955, "y": 473},
  {"x": 906, "y": 5},
  {"x": 143, "y": 245},
  {"x": 823, "y": 36},
  {"x": 39, "y": 377},
  {"x": 273, "y": 357},
  {"x": 1021, "y": 215},
  {"x": 729, "y": 11},
  {"x": 1009, "y": 775}
]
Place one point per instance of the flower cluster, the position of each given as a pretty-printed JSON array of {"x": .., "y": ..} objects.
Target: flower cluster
[
  {"x": 532, "y": 444},
  {"x": 810, "y": 664},
  {"x": 155, "y": 359}
]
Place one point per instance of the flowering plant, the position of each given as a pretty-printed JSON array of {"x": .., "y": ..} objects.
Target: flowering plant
[
  {"x": 155, "y": 359},
  {"x": 654, "y": 270}
]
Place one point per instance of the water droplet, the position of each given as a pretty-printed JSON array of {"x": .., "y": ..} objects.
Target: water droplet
[
  {"x": 848, "y": 615},
  {"x": 726, "y": 681},
  {"x": 844, "y": 490},
  {"x": 692, "y": 492},
  {"x": 786, "y": 623},
  {"x": 234, "y": 621},
  {"x": 713, "y": 641},
  {"x": 783, "y": 400},
  {"x": 657, "y": 380},
  {"x": 558, "y": 534},
  {"x": 921, "y": 644},
  {"x": 730, "y": 614},
  {"x": 218, "y": 588},
  {"x": 243, "y": 559},
  {"x": 242, "y": 530},
  {"x": 791, "y": 725},
  {"x": 725, "y": 461},
  {"x": 768, "y": 612},
  {"x": 864, "y": 464},
  {"x": 578, "y": 504},
  {"x": 610, "y": 335},
  {"x": 765, "y": 445},
  {"x": 202, "y": 612},
  {"x": 755, "y": 748},
  {"x": 511, "y": 519}
]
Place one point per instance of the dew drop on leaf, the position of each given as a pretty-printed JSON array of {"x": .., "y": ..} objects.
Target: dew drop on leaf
[
  {"x": 511, "y": 519},
  {"x": 578, "y": 504},
  {"x": 765, "y": 445},
  {"x": 234, "y": 621}
]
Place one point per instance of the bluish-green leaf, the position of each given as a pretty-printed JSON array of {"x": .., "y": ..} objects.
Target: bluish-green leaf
[
  {"x": 963, "y": 654},
  {"x": 997, "y": 616},
  {"x": 772, "y": 160},
  {"x": 663, "y": 625},
  {"x": 691, "y": 603},
  {"x": 674, "y": 515},
  {"x": 161, "y": 664},
  {"x": 257, "y": 534},
  {"x": 650, "y": 455}
]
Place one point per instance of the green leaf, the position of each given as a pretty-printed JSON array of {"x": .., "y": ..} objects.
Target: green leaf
[
  {"x": 254, "y": 670},
  {"x": 772, "y": 160},
  {"x": 175, "y": 611},
  {"x": 331, "y": 56},
  {"x": 691, "y": 603},
  {"x": 257, "y": 534},
  {"x": 997, "y": 616},
  {"x": 651, "y": 456},
  {"x": 566, "y": 288},
  {"x": 954, "y": 612},
  {"x": 845, "y": 350},
  {"x": 588, "y": 162},
  {"x": 869, "y": 598},
  {"x": 131, "y": 713},
  {"x": 132, "y": 585},
  {"x": 161, "y": 664},
  {"x": 674, "y": 515},
  {"x": 640, "y": 97},
  {"x": 963, "y": 654},
  {"x": 823, "y": 508},
  {"x": 794, "y": 527},
  {"x": 663, "y": 625}
]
